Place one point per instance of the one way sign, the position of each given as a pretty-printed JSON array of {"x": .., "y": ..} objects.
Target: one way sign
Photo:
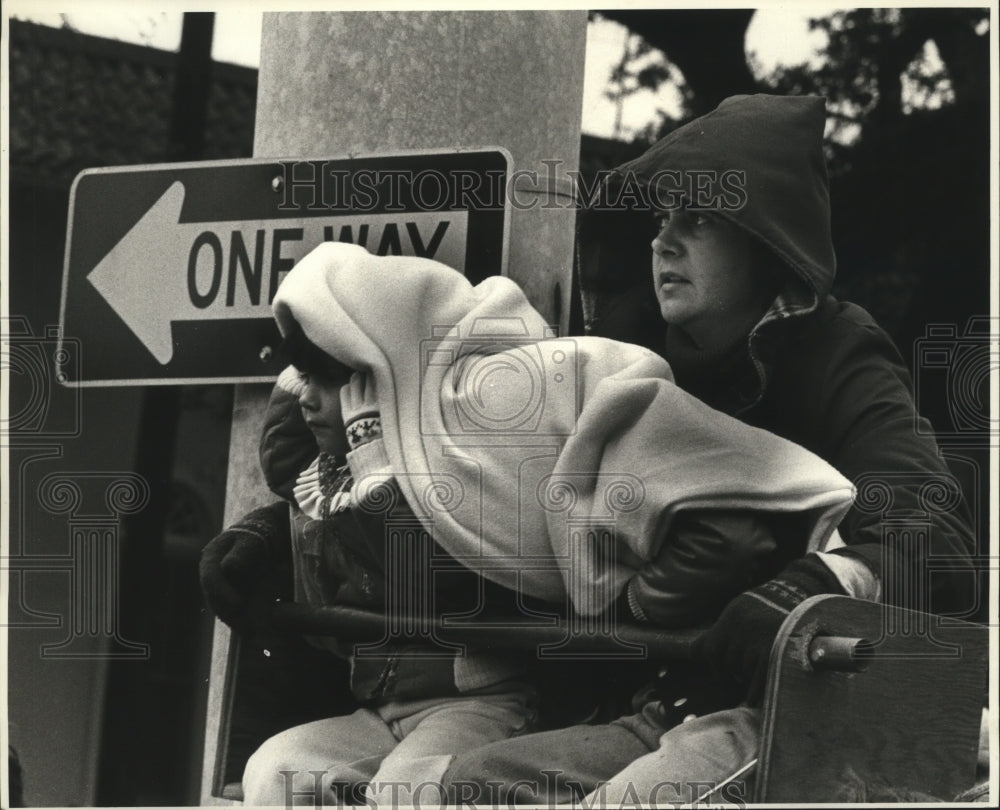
[{"x": 171, "y": 269}]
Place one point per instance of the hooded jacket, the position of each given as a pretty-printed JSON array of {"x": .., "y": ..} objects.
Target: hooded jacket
[
  {"x": 814, "y": 370},
  {"x": 556, "y": 467}
]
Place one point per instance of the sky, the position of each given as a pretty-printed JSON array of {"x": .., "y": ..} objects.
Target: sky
[{"x": 777, "y": 34}]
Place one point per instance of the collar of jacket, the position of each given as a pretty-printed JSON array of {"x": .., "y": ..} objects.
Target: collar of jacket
[{"x": 795, "y": 301}]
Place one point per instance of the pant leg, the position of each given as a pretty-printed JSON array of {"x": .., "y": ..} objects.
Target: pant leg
[
  {"x": 551, "y": 767},
  {"x": 305, "y": 764},
  {"x": 412, "y": 773},
  {"x": 695, "y": 762}
]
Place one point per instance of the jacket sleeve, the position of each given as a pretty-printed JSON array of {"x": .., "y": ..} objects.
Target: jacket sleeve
[
  {"x": 708, "y": 557},
  {"x": 287, "y": 446},
  {"x": 909, "y": 523}
]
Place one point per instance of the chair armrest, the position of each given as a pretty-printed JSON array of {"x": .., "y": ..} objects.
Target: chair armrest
[
  {"x": 898, "y": 717},
  {"x": 513, "y": 633}
]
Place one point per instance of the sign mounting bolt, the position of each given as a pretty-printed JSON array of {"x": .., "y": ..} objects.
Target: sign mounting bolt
[
  {"x": 266, "y": 353},
  {"x": 278, "y": 183}
]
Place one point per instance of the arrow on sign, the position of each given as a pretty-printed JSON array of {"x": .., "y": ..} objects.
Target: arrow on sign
[
  {"x": 141, "y": 283},
  {"x": 165, "y": 271}
]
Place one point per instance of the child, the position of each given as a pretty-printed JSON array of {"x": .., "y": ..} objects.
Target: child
[
  {"x": 568, "y": 470},
  {"x": 421, "y": 704}
]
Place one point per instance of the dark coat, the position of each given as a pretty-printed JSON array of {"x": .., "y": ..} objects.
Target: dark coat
[{"x": 834, "y": 382}]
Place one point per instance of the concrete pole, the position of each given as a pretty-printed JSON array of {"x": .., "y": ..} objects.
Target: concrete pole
[{"x": 339, "y": 84}]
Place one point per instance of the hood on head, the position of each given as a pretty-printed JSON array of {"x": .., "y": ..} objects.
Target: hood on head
[{"x": 756, "y": 160}]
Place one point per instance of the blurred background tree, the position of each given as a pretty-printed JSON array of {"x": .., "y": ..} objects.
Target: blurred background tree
[{"x": 907, "y": 140}]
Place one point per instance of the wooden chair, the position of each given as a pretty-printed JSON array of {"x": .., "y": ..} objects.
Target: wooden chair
[{"x": 863, "y": 701}]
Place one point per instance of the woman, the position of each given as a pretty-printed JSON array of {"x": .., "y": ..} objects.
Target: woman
[{"x": 742, "y": 267}]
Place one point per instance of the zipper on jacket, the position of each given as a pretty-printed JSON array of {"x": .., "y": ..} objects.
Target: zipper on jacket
[{"x": 386, "y": 677}]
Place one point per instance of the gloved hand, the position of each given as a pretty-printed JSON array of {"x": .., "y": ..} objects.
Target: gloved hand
[
  {"x": 737, "y": 648},
  {"x": 367, "y": 457},
  {"x": 234, "y": 564},
  {"x": 359, "y": 408}
]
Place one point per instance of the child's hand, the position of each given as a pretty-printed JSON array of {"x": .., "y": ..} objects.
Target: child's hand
[
  {"x": 234, "y": 563},
  {"x": 359, "y": 406},
  {"x": 367, "y": 457}
]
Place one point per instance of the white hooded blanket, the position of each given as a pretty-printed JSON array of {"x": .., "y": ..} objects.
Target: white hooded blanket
[{"x": 552, "y": 465}]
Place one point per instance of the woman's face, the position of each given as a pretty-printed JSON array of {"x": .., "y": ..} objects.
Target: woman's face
[
  {"x": 320, "y": 404},
  {"x": 704, "y": 274}
]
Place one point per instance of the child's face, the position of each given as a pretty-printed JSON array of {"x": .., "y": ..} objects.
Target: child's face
[
  {"x": 320, "y": 404},
  {"x": 704, "y": 271}
]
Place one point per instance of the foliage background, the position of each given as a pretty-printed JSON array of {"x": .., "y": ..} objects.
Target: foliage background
[{"x": 907, "y": 140}]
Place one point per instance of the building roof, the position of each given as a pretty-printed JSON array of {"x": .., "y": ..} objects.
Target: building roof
[{"x": 79, "y": 101}]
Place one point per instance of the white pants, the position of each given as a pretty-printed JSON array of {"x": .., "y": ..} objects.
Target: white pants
[
  {"x": 708, "y": 759},
  {"x": 400, "y": 749}
]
